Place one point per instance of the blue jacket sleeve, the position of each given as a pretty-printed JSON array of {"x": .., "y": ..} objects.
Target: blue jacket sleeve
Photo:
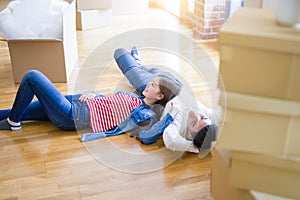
[{"x": 150, "y": 136}]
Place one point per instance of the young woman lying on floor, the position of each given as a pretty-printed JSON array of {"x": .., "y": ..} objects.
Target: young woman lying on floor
[
  {"x": 111, "y": 115},
  {"x": 190, "y": 130}
]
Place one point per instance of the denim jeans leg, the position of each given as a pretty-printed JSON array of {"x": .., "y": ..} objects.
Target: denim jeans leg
[
  {"x": 55, "y": 105},
  {"x": 4, "y": 114},
  {"x": 35, "y": 111},
  {"x": 137, "y": 75}
]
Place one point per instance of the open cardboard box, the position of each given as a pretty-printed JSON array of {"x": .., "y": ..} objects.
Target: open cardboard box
[
  {"x": 3, "y": 4},
  {"x": 55, "y": 58},
  {"x": 88, "y": 19}
]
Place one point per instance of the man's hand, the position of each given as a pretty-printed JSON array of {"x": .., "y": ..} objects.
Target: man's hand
[{"x": 86, "y": 96}]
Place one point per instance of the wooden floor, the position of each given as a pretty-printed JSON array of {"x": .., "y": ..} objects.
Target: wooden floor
[{"x": 42, "y": 162}]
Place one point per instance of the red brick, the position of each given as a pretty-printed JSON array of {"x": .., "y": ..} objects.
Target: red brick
[
  {"x": 214, "y": 22},
  {"x": 216, "y": 29},
  {"x": 209, "y": 36},
  {"x": 207, "y": 18},
  {"x": 214, "y": 15}
]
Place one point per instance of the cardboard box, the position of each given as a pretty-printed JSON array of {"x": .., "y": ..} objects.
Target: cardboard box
[
  {"x": 3, "y": 4},
  {"x": 125, "y": 7},
  {"x": 220, "y": 188},
  {"x": 88, "y": 19},
  {"x": 265, "y": 196},
  {"x": 260, "y": 124},
  {"x": 260, "y": 57},
  {"x": 55, "y": 58},
  {"x": 93, "y": 4},
  {"x": 270, "y": 174}
]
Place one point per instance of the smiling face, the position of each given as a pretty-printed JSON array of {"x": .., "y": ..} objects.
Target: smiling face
[
  {"x": 195, "y": 124},
  {"x": 152, "y": 92}
]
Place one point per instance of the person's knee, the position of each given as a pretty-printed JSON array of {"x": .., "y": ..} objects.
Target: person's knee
[
  {"x": 119, "y": 52},
  {"x": 32, "y": 72},
  {"x": 33, "y": 76}
]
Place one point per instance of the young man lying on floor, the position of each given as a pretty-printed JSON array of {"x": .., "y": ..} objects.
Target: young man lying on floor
[{"x": 188, "y": 131}]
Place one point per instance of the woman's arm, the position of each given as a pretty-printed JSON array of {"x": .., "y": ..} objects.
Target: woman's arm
[{"x": 152, "y": 135}]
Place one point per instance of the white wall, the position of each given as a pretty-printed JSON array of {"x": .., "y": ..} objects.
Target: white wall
[
  {"x": 265, "y": 4},
  {"x": 173, "y": 6},
  {"x": 268, "y": 4}
]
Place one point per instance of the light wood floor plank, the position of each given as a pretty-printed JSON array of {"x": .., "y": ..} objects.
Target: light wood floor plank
[{"x": 42, "y": 162}]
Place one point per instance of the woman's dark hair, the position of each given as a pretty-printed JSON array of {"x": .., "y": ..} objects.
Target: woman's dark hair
[
  {"x": 205, "y": 136},
  {"x": 169, "y": 88}
]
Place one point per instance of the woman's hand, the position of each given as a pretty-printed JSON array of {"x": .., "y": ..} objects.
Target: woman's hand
[
  {"x": 174, "y": 109},
  {"x": 86, "y": 96}
]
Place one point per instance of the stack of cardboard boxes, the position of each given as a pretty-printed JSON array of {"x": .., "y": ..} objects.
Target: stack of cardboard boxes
[
  {"x": 93, "y": 13},
  {"x": 258, "y": 149}
]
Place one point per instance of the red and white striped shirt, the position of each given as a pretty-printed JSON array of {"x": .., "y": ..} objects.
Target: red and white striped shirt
[{"x": 109, "y": 111}]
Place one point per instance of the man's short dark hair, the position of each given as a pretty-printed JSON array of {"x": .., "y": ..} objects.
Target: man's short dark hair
[{"x": 205, "y": 136}]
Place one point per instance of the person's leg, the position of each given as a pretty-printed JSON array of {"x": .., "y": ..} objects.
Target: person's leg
[
  {"x": 4, "y": 114},
  {"x": 34, "y": 111},
  {"x": 135, "y": 55},
  {"x": 137, "y": 75},
  {"x": 55, "y": 105}
]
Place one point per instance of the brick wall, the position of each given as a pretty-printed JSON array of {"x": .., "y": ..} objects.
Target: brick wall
[{"x": 207, "y": 18}]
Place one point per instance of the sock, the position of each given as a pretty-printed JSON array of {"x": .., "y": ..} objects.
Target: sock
[
  {"x": 5, "y": 125},
  {"x": 13, "y": 123}
]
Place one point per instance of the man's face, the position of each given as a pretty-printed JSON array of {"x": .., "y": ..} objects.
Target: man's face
[{"x": 195, "y": 124}]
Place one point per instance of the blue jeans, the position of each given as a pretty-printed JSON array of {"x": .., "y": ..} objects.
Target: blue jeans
[
  {"x": 51, "y": 104},
  {"x": 137, "y": 74}
]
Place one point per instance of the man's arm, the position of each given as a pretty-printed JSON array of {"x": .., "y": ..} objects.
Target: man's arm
[
  {"x": 173, "y": 139},
  {"x": 175, "y": 142}
]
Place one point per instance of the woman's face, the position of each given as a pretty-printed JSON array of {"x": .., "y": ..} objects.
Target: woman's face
[
  {"x": 195, "y": 124},
  {"x": 152, "y": 90}
]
